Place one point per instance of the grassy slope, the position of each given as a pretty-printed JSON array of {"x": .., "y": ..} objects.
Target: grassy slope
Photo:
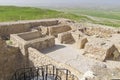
[
  {"x": 12, "y": 13},
  {"x": 105, "y": 17},
  {"x": 97, "y": 13}
]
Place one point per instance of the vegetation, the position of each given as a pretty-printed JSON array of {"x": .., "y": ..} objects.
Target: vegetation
[
  {"x": 104, "y": 17},
  {"x": 12, "y": 13}
]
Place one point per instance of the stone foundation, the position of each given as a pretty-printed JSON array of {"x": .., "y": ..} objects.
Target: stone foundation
[
  {"x": 32, "y": 39},
  {"x": 23, "y": 26}
]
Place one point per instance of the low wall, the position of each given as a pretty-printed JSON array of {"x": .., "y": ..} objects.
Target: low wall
[
  {"x": 23, "y": 26},
  {"x": 42, "y": 43},
  {"x": 40, "y": 59},
  {"x": 100, "y": 31},
  {"x": 38, "y": 43},
  {"x": 30, "y": 35},
  {"x": 55, "y": 30}
]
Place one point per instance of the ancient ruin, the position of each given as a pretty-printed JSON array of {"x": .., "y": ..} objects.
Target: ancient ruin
[{"x": 68, "y": 48}]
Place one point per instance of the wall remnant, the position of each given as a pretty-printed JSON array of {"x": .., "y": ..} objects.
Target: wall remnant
[
  {"x": 32, "y": 39},
  {"x": 55, "y": 30},
  {"x": 101, "y": 49},
  {"x": 65, "y": 37}
]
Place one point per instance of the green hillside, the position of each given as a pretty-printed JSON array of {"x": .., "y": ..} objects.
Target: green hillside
[
  {"x": 104, "y": 17},
  {"x": 13, "y": 13}
]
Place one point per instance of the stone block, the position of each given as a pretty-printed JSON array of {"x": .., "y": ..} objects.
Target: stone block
[
  {"x": 65, "y": 37},
  {"x": 81, "y": 43}
]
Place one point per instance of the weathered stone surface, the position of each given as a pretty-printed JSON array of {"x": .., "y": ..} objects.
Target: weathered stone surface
[
  {"x": 32, "y": 39},
  {"x": 101, "y": 44},
  {"x": 44, "y": 29},
  {"x": 115, "y": 39},
  {"x": 65, "y": 37},
  {"x": 10, "y": 60},
  {"x": 8, "y": 28},
  {"x": 40, "y": 59},
  {"x": 100, "y": 31},
  {"x": 77, "y": 35},
  {"x": 101, "y": 49},
  {"x": 89, "y": 75},
  {"x": 81, "y": 42},
  {"x": 55, "y": 30}
]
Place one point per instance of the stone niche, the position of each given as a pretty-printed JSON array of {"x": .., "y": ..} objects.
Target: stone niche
[
  {"x": 101, "y": 49},
  {"x": 33, "y": 39},
  {"x": 65, "y": 37}
]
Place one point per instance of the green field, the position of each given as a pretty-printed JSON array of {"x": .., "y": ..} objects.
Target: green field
[
  {"x": 104, "y": 17},
  {"x": 12, "y": 13}
]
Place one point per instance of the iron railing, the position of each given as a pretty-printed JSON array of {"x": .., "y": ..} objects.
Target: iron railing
[{"x": 46, "y": 72}]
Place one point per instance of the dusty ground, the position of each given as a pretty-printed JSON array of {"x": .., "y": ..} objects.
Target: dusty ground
[{"x": 64, "y": 53}]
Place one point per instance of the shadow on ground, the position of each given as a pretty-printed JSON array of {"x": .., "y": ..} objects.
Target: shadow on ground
[{"x": 52, "y": 49}]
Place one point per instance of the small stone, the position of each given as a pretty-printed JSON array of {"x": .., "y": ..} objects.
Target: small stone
[{"x": 89, "y": 75}]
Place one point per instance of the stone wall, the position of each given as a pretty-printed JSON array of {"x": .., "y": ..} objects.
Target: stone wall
[
  {"x": 65, "y": 37},
  {"x": 100, "y": 31},
  {"x": 31, "y": 39},
  {"x": 40, "y": 59},
  {"x": 30, "y": 35},
  {"x": 23, "y": 26},
  {"x": 10, "y": 60},
  {"x": 42, "y": 43},
  {"x": 55, "y": 30},
  {"x": 101, "y": 49}
]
